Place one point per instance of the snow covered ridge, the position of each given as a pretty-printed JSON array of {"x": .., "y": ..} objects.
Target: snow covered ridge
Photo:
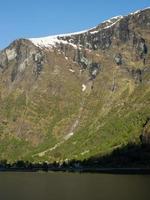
[
  {"x": 138, "y": 11},
  {"x": 113, "y": 21},
  {"x": 54, "y": 40}
]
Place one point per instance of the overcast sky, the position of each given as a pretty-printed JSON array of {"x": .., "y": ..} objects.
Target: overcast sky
[{"x": 35, "y": 18}]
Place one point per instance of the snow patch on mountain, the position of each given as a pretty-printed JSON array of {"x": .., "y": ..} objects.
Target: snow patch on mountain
[
  {"x": 111, "y": 20},
  {"x": 71, "y": 70},
  {"x": 50, "y": 41},
  {"x": 109, "y": 26},
  {"x": 54, "y": 40},
  {"x": 138, "y": 11},
  {"x": 83, "y": 87}
]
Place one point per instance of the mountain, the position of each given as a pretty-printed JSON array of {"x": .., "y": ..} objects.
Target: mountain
[{"x": 77, "y": 95}]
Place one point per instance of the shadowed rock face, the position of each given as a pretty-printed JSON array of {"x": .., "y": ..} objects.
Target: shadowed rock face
[
  {"x": 145, "y": 137},
  {"x": 96, "y": 81}
]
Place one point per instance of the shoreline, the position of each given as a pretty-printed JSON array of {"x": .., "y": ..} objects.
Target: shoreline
[{"x": 123, "y": 171}]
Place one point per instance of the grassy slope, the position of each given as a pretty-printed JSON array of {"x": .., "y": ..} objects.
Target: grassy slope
[{"x": 109, "y": 120}]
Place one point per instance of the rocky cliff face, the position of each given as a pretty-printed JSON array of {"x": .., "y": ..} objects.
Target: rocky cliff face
[
  {"x": 76, "y": 95},
  {"x": 145, "y": 136}
]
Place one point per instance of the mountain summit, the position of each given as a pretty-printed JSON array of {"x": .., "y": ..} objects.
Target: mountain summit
[{"x": 77, "y": 95}]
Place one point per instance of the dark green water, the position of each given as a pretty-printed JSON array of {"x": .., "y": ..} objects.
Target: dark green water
[{"x": 63, "y": 186}]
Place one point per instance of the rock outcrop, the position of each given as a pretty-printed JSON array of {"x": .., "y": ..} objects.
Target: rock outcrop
[{"x": 145, "y": 136}]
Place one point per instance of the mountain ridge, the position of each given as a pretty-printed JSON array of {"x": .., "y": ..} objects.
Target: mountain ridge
[{"x": 108, "y": 23}]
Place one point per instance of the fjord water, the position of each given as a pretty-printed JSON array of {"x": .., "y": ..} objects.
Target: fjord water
[{"x": 67, "y": 186}]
